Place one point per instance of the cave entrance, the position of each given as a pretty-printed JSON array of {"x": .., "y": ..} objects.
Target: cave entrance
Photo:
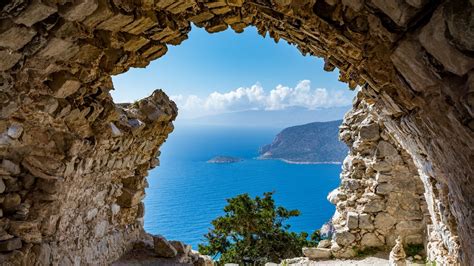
[{"x": 235, "y": 100}]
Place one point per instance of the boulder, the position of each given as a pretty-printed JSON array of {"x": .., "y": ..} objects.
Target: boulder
[
  {"x": 163, "y": 248},
  {"x": 317, "y": 253}
]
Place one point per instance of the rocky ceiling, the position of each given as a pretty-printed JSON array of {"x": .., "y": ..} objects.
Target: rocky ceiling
[{"x": 73, "y": 163}]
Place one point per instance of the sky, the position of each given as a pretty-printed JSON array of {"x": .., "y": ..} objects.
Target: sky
[{"x": 227, "y": 72}]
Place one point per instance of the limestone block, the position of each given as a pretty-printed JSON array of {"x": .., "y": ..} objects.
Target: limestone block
[
  {"x": 369, "y": 132},
  {"x": 9, "y": 59},
  {"x": 221, "y": 10},
  {"x": 325, "y": 243},
  {"x": 162, "y": 4},
  {"x": 115, "y": 22},
  {"x": 317, "y": 253},
  {"x": 15, "y": 37},
  {"x": 180, "y": 6},
  {"x": 397, "y": 10},
  {"x": 215, "y": 3},
  {"x": 343, "y": 238},
  {"x": 59, "y": 49},
  {"x": 78, "y": 10},
  {"x": 371, "y": 240},
  {"x": 384, "y": 221},
  {"x": 408, "y": 60},
  {"x": 27, "y": 231},
  {"x": 409, "y": 227},
  {"x": 365, "y": 221},
  {"x": 232, "y": 19},
  {"x": 385, "y": 149},
  {"x": 163, "y": 248},
  {"x": 141, "y": 24},
  {"x": 11, "y": 167},
  {"x": 87, "y": 54},
  {"x": 381, "y": 177},
  {"x": 237, "y": 3},
  {"x": 35, "y": 12},
  {"x": 180, "y": 247},
  {"x": 374, "y": 206},
  {"x": 381, "y": 166},
  {"x": 130, "y": 197},
  {"x": 64, "y": 87},
  {"x": 384, "y": 188},
  {"x": 11, "y": 201},
  {"x": 433, "y": 39},
  {"x": 201, "y": 17},
  {"x": 10, "y": 244},
  {"x": 352, "y": 220},
  {"x": 102, "y": 13},
  {"x": 135, "y": 44},
  {"x": 216, "y": 27}
]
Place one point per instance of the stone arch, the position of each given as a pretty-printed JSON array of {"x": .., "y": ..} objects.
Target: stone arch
[{"x": 74, "y": 163}]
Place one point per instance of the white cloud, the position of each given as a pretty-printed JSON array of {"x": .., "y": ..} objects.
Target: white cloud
[{"x": 256, "y": 98}]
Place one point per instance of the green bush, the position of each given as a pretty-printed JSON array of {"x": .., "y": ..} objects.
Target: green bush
[{"x": 253, "y": 231}]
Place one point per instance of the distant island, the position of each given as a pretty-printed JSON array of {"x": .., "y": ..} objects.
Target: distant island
[
  {"x": 307, "y": 144},
  {"x": 224, "y": 159}
]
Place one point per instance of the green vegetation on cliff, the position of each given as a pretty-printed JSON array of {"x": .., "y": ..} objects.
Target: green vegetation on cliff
[
  {"x": 310, "y": 143},
  {"x": 254, "y": 231}
]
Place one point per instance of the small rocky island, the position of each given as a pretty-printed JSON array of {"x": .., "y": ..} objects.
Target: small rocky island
[{"x": 224, "y": 159}]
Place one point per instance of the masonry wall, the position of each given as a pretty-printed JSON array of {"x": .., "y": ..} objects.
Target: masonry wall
[{"x": 73, "y": 163}]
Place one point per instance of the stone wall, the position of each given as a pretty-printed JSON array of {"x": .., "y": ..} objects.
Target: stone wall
[
  {"x": 73, "y": 163},
  {"x": 381, "y": 195}
]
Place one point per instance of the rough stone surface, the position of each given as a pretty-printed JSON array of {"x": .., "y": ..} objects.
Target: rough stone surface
[
  {"x": 412, "y": 60},
  {"x": 163, "y": 248},
  {"x": 317, "y": 253}
]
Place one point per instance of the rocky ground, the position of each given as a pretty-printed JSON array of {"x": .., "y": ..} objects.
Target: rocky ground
[
  {"x": 156, "y": 250},
  {"x": 381, "y": 258},
  {"x": 377, "y": 259}
]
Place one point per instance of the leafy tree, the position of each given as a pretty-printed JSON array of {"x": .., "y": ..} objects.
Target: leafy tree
[{"x": 253, "y": 231}]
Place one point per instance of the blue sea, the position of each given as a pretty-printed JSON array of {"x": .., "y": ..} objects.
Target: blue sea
[{"x": 185, "y": 193}]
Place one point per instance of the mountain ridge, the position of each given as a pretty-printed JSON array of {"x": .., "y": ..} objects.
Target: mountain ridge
[{"x": 315, "y": 142}]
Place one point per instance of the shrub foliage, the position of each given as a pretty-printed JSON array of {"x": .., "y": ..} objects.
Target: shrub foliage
[{"x": 253, "y": 231}]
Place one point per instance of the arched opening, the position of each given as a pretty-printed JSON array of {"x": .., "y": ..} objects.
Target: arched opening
[
  {"x": 240, "y": 103},
  {"x": 74, "y": 163}
]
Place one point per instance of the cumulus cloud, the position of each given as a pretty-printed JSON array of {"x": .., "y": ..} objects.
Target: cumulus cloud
[{"x": 256, "y": 98}]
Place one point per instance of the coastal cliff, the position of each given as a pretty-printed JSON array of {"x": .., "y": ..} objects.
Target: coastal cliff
[{"x": 310, "y": 143}]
